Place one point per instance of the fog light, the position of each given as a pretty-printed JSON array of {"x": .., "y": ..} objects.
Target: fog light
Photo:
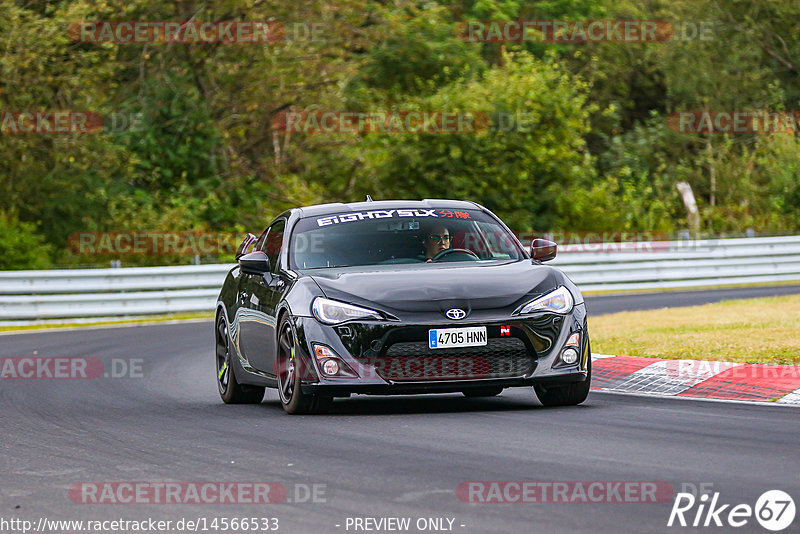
[
  {"x": 331, "y": 367},
  {"x": 569, "y": 356},
  {"x": 330, "y": 363}
]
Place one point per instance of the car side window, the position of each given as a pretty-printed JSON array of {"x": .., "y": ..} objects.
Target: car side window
[{"x": 272, "y": 244}]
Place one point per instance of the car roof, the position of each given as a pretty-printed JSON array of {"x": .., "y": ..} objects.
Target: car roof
[{"x": 339, "y": 207}]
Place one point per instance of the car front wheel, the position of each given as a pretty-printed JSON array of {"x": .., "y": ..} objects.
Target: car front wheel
[
  {"x": 290, "y": 371},
  {"x": 566, "y": 394}
]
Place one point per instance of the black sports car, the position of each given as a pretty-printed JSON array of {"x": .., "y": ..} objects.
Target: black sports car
[{"x": 388, "y": 297}]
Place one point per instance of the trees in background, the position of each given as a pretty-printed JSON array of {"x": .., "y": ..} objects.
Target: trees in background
[{"x": 193, "y": 144}]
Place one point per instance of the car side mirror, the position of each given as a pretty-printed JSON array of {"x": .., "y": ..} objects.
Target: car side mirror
[
  {"x": 255, "y": 263},
  {"x": 245, "y": 245},
  {"x": 543, "y": 250}
]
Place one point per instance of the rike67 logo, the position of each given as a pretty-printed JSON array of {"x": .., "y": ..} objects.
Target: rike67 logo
[{"x": 774, "y": 510}]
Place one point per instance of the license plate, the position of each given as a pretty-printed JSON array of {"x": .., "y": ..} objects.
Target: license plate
[{"x": 448, "y": 338}]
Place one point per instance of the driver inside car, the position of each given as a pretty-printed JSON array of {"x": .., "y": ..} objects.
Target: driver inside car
[{"x": 437, "y": 240}]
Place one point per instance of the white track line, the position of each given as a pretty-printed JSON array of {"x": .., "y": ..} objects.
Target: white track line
[
  {"x": 103, "y": 326},
  {"x": 695, "y": 399},
  {"x": 791, "y": 398},
  {"x": 670, "y": 377}
]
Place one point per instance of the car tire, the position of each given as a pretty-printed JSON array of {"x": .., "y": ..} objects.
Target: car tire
[
  {"x": 482, "y": 392},
  {"x": 568, "y": 394},
  {"x": 293, "y": 400},
  {"x": 230, "y": 390}
]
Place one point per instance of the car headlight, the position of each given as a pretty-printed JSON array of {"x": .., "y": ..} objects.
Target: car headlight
[
  {"x": 557, "y": 301},
  {"x": 333, "y": 312}
]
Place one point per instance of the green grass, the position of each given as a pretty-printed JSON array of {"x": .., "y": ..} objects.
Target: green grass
[{"x": 764, "y": 330}]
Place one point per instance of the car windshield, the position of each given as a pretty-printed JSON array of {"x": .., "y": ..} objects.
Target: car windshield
[{"x": 400, "y": 236}]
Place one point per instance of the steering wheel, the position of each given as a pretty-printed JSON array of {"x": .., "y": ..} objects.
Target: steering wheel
[{"x": 445, "y": 252}]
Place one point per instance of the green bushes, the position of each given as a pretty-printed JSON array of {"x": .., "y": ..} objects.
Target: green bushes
[
  {"x": 20, "y": 246},
  {"x": 593, "y": 152}
]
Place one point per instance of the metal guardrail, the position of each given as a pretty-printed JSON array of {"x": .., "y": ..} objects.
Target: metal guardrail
[
  {"x": 34, "y": 295},
  {"x": 30, "y": 295},
  {"x": 682, "y": 264}
]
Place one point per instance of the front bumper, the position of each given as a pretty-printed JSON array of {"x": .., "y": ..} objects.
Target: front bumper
[{"x": 393, "y": 358}]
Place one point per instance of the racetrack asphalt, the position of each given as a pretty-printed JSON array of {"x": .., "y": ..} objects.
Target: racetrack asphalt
[{"x": 373, "y": 456}]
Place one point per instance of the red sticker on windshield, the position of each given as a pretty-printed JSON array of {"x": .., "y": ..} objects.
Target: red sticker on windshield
[{"x": 448, "y": 214}]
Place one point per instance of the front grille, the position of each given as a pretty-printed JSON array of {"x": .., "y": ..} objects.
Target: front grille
[{"x": 500, "y": 358}]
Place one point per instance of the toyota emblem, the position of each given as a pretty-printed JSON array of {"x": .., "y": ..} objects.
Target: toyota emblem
[{"x": 455, "y": 314}]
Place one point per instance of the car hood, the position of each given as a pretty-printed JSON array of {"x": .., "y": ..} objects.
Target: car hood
[{"x": 437, "y": 287}]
